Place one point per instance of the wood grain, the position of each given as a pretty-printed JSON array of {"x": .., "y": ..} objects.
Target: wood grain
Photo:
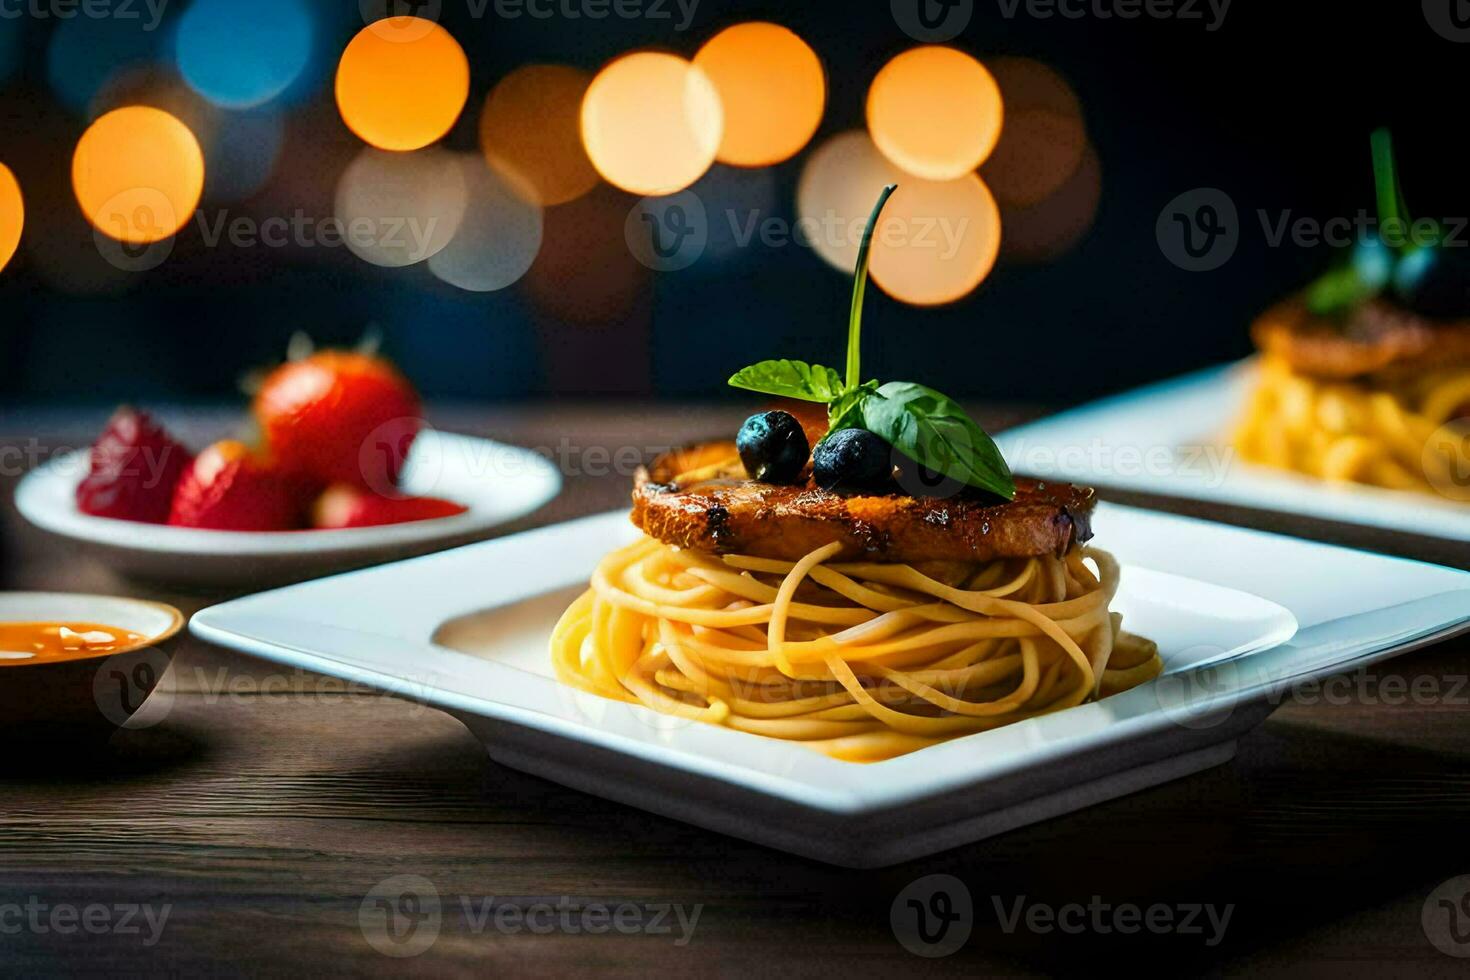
[{"x": 267, "y": 804}]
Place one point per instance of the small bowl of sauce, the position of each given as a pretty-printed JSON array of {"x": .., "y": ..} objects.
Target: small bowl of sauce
[{"x": 79, "y": 665}]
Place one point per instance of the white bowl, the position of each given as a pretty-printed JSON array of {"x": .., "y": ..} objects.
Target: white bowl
[
  {"x": 497, "y": 482},
  {"x": 84, "y": 697}
]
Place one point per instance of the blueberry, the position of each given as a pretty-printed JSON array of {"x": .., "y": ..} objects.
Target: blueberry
[
  {"x": 1435, "y": 282},
  {"x": 852, "y": 461},
  {"x": 773, "y": 447}
]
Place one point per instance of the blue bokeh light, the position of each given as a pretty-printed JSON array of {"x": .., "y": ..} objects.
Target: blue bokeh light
[{"x": 239, "y": 55}]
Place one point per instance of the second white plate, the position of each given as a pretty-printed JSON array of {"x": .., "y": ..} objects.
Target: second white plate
[{"x": 1169, "y": 439}]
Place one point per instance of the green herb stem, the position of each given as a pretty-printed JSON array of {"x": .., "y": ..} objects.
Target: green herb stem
[{"x": 859, "y": 289}]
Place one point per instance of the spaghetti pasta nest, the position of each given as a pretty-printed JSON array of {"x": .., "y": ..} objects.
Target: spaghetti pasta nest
[
  {"x": 861, "y": 661},
  {"x": 1404, "y": 433}
]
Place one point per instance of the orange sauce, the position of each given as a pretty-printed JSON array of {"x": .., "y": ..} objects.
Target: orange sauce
[{"x": 39, "y": 643}]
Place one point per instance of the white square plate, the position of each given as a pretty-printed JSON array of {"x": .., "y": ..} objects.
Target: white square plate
[
  {"x": 1226, "y": 651},
  {"x": 1170, "y": 439}
]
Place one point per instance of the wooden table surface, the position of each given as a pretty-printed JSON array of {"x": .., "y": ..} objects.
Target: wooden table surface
[{"x": 266, "y": 807}]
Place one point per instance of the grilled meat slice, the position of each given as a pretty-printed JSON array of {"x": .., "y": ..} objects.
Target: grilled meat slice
[
  {"x": 701, "y": 498},
  {"x": 1379, "y": 337}
]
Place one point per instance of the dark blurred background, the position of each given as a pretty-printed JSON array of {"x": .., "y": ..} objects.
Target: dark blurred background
[{"x": 1273, "y": 106}]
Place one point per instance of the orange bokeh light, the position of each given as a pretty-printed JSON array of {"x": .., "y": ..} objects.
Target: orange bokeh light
[
  {"x": 772, "y": 88},
  {"x": 402, "y": 88},
  {"x": 531, "y": 125},
  {"x": 12, "y": 215},
  {"x": 935, "y": 112},
  {"x": 651, "y": 123},
  {"x": 1039, "y": 150},
  {"x": 937, "y": 240},
  {"x": 1055, "y": 226},
  {"x": 138, "y": 173}
]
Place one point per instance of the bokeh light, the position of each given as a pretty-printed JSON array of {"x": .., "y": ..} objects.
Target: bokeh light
[
  {"x": 12, "y": 215},
  {"x": 935, "y": 112},
  {"x": 772, "y": 89},
  {"x": 239, "y": 55},
  {"x": 402, "y": 90},
  {"x": 936, "y": 241},
  {"x": 531, "y": 124},
  {"x": 1044, "y": 138},
  {"x": 138, "y": 173},
  {"x": 651, "y": 123},
  {"x": 240, "y": 148},
  {"x": 398, "y": 209},
  {"x": 1055, "y": 226},
  {"x": 500, "y": 233},
  {"x": 1026, "y": 83},
  {"x": 85, "y": 52},
  {"x": 839, "y": 183},
  {"x": 1036, "y": 154}
]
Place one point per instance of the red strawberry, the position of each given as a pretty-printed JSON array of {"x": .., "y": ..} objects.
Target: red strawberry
[
  {"x": 229, "y": 489},
  {"x": 135, "y": 467},
  {"x": 340, "y": 417},
  {"x": 345, "y": 506}
]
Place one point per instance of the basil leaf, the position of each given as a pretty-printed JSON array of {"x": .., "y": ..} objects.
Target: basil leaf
[
  {"x": 846, "y": 411},
  {"x": 934, "y": 431},
  {"x": 790, "y": 379}
]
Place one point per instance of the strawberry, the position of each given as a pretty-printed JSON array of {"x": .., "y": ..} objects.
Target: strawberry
[
  {"x": 230, "y": 489},
  {"x": 343, "y": 506},
  {"x": 339, "y": 417},
  {"x": 135, "y": 467}
]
